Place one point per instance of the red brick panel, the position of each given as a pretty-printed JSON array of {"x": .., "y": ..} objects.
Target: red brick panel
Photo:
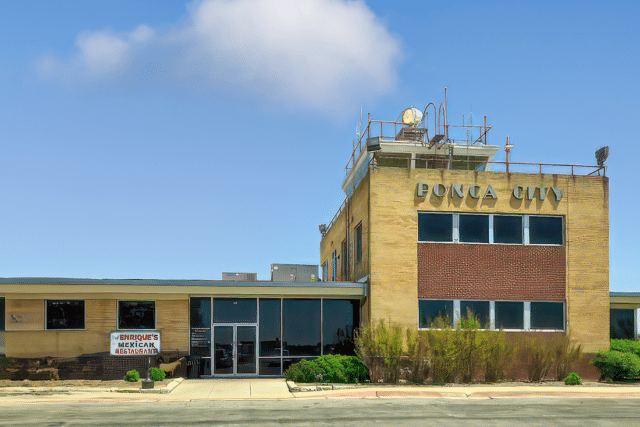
[{"x": 491, "y": 272}]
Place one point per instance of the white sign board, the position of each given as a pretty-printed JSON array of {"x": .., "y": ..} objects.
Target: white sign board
[{"x": 133, "y": 343}]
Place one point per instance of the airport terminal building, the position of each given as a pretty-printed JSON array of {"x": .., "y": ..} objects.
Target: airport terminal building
[
  {"x": 430, "y": 226},
  {"x": 435, "y": 228}
]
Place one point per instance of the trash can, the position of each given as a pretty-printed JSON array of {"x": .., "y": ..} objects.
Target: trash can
[{"x": 193, "y": 367}]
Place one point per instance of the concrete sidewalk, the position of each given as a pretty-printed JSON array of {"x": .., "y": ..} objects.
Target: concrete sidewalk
[
  {"x": 479, "y": 391},
  {"x": 277, "y": 389},
  {"x": 237, "y": 388}
]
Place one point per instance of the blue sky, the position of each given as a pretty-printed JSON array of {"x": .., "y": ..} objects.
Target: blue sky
[{"x": 173, "y": 139}]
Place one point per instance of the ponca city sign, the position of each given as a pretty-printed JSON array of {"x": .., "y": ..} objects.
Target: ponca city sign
[{"x": 476, "y": 191}]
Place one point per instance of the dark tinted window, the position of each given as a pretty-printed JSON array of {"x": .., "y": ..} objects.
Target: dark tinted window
[
  {"x": 547, "y": 315},
  {"x": 622, "y": 324},
  {"x": 136, "y": 314},
  {"x": 200, "y": 337},
  {"x": 270, "y": 339},
  {"x": 359, "y": 242},
  {"x": 1, "y": 314},
  {"x": 235, "y": 310},
  {"x": 65, "y": 314},
  {"x": 434, "y": 227},
  {"x": 479, "y": 310},
  {"x": 430, "y": 310},
  {"x": 507, "y": 229},
  {"x": 301, "y": 327},
  {"x": 509, "y": 315},
  {"x": 269, "y": 367},
  {"x": 200, "y": 312},
  {"x": 545, "y": 230},
  {"x": 345, "y": 261},
  {"x": 474, "y": 228},
  {"x": 339, "y": 319}
]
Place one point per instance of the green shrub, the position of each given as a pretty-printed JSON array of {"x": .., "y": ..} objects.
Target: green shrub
[
  {"x": 418, "y": 354},
  {"x": 380, "y": 347},
  {"x": 305, "y": 371},
  {"x": 132, "y": 376},
  {"x": 564, "y": 355},
  {"x": 329, "y": 368},
  {"x": 354, "y": 369},
  {"x": 497, "y": 354},
  {"x": 444, "y": 367},
  {"x": 626, "y": 346},
  {"x": 538, "y": 356},
  {"x": 467, "y": 347},
  {"x": 157, "y": 374},
  {"x": 573, "y": 379},
  {"x": 617, "y": 366}
]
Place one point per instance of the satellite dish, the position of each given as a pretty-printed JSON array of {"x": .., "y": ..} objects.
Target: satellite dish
[
  {"x": 601, "y": 155},
  {"x": 411, "y": 117}
]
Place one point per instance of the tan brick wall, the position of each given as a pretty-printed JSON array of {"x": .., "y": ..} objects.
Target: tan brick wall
[
  {"x": 28, "y": 338},
  {"x": 588, "y": 261},
  {"x": 172, "y": 319},
  {"x": 355, "y": 212},
  {"x": 393, "y": 251}
]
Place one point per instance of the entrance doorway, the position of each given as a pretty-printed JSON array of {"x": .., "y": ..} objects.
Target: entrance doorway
[{"x": 234, "y": 350}]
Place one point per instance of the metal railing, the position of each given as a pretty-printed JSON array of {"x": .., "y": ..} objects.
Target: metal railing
[{"x": 389, "y": 131}]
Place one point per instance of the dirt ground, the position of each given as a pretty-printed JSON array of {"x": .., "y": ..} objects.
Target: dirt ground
[{"x": 121, "y": 384}]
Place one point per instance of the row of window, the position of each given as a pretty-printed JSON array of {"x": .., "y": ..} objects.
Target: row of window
[
  {"x": 287, "y": 330},
  {"x": 70, "y": 314},
  {"x": 490, "y": 228},
  {"x": 345, "y": 257},
  {"x": 494, "y": 315}
]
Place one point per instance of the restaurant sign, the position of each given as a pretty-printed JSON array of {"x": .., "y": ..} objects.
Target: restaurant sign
[{"x": 133, "y": 343}]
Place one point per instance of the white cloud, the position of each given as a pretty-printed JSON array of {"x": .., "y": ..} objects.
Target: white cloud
[{"x": 318, "y": 53}]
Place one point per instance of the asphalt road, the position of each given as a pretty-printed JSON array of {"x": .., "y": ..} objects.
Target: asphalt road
[{"x": 333, "y": 412}]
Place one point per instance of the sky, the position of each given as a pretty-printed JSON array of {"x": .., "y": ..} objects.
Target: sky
[{"x": 180, "y": 140}]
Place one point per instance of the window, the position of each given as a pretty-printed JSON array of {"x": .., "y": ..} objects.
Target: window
[
  {"x": 200, "y": 338},
  {"x": 509, "y": 315},
  {"x": 235, "y": 310},
  {"x": 301, "y": 327},
  {"x": 334, "y": 266},
  {"x": 1, "y": 314},
  {"x": 339, "y": 319},
  {"x": 435, "y": 227},
  {"x": 325, "y": 271},
  {"x": 490, "y": 228},
  {"x": 345, "y": 261},
  {"x": 474, "y": 228},
  {"x": 65, "y": 314},
  {"x": 507, "y": 229},
  {"x": 136, "y": 314},
  {"x": 270, "y": 328},
  {"x": 547, "y": 315},
  {"x": 622, "y": 323},
  {"x": 479, "y": 309},
  {"x": 200, "y": 312},
  {"x": 430, "y": 310},
  {"x": 545, "y": 230},
  {"x": 359, "y": 242}
]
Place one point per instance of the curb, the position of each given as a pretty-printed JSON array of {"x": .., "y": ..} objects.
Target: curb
[{"x": 164, "y": 390}]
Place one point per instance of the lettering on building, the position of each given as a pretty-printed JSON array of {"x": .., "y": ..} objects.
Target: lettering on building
[
  {"x": 476, "y": 191},
  {"x": 135, "y": 344}
]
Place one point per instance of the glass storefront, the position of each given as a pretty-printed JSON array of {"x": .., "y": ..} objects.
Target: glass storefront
[{"x": 263, "y": 336}]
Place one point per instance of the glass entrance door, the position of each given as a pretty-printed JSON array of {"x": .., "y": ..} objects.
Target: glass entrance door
[{"x": 234, "y": 350}]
